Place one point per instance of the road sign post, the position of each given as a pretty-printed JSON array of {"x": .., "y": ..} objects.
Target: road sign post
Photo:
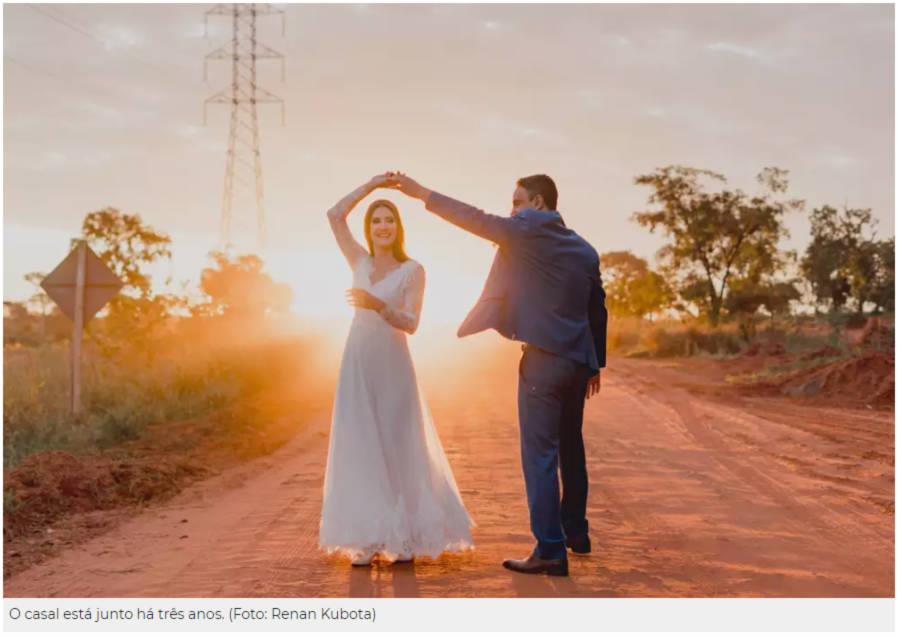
[
  {"x": 80, "y": 285},
  {"x": 78, "y": 326}
]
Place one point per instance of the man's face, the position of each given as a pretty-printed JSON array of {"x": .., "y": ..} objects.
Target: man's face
[{"x": 522, "y": 201}]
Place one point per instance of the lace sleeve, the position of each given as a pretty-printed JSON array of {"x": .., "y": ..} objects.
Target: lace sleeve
[
  {"x": 407, "y": 317},
  {"x": 338, "y": 219}
]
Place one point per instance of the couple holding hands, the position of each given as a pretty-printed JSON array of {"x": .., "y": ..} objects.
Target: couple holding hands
[{"x": 389, "y": 490}]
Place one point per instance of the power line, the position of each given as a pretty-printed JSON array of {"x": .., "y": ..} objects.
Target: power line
[
  {"x": 243, "y": 185},
  {"x": 81, "y": 85},
  {"x": 66, "y": 24},
  {"x": 169, "y": 44},
  {"x": 34, "y": 69},
  {"x": 85, "y": 31}
]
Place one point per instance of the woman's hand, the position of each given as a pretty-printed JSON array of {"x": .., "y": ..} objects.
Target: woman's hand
[
  {"x": 382, "y": 180},
  {"x": 359, "y": 297},
  {"x": 408, "y": 186}
]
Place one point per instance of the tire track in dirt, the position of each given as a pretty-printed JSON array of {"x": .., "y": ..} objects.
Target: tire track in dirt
[
  {"x": 683, "y": 501},
  {"x": 831, "y": 523}
]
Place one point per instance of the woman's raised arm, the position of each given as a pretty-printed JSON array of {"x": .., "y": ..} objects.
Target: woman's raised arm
[{"x": 338, "y": 219}]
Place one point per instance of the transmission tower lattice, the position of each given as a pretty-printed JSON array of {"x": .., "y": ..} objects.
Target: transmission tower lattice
[{"x": 243, "y": 188}]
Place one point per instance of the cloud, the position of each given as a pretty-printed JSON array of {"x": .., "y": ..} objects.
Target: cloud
[
  {"x": 201, "y": 139},
  {"x": 502, "y": 128},
  {"x": 111, "y": 115},
  {"x": 737, "y": 49},
  {"x": 837, "y": 159},
  {"x": 187, "y": 130},
  {"x": 195, "y": 30},
  {"x": 499, "y": 126},
  {"x": 51, "y": 160},
  {"x": 616, "y": 40},
  {"x": 121, "y": 37},
  {"x": 701, "y": 118},
  {"x": 54, "y": 160},
  {"x": 656, "y": 111}
]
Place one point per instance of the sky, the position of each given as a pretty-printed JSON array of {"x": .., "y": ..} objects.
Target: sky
[{"x": 103, "y": 106}]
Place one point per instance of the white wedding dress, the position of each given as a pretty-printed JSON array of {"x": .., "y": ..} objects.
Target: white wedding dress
[{"x": 388, "y": 488}]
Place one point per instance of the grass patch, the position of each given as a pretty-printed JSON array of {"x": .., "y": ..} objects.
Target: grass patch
[
  {"x": 121, "y": 396},
  {"x": 775, "y": 372},
  {"x": 664, "y": 339}
]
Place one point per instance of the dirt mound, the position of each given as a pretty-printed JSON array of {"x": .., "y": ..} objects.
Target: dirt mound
[
  {"x": 824, "y": 352},
  {"x": 877, "y": 335},
  {"x": 53, "y": 484},
  {"x": 866, "y": 379},
  {"x": 55, "y": 498},
  {"x": 874, "y": 333},
  {"x": 764, "y": 349}
]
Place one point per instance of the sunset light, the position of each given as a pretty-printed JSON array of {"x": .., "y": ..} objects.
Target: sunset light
[{"x": 310, "y": 305}]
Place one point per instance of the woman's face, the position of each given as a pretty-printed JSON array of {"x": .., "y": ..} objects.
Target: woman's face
[{"x": 383, "y": 228}]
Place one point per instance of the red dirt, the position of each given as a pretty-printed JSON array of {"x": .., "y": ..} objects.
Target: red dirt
[
  {"x": 60, "y": 499},
  {"x": 764, "y": 349},
  {"x": 693, "y": 493},
  {"x": 866, "y": 380},
  {"x": 824, "y": 352},
  {"x": 876, "y": 334}
]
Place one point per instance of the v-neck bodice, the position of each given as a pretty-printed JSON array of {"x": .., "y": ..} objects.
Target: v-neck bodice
[
  {"x": 372, "y": 268},
  {"x": 401, "y": 289}
]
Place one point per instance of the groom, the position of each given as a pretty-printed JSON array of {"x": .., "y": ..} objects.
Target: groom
[{"x": 544, "y": 289}]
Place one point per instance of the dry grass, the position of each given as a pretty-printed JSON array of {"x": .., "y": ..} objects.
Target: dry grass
[
  {"x": 154, "y": 419},
  {"x": 184, "y": 376},
  {"x": 670, "y": 338},
  {"x": 666, "y": 338}
]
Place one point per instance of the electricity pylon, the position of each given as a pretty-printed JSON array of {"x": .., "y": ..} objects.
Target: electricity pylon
[{"x": 243, "y": 188}]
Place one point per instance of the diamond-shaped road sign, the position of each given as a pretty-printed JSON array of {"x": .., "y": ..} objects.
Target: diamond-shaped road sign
[{"x": 101, "y": 284}]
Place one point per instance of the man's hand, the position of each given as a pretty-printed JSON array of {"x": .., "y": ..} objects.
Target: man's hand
[
  {"x": 359, "y": 297},
  {"x": 382, "y": 180},
  {"x": 408, "y": 186},
  {"x": 593, "y": 386}
]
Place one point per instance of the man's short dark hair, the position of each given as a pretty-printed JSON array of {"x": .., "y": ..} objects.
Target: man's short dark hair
[{"x": 541, "y": 185}]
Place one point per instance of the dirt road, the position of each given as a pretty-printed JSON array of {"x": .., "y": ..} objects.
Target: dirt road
[{"x": 688, "y": 497}]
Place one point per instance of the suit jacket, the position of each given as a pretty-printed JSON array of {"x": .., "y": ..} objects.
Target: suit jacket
[{"x": 544, "y": 287}]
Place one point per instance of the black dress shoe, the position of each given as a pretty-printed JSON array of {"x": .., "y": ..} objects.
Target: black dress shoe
[
  {"x": 580, "y": 545},
  {"x": 535, "y": 565}
]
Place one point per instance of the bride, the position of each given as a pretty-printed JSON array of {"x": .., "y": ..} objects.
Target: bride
[{"x": 388, "y": 488}]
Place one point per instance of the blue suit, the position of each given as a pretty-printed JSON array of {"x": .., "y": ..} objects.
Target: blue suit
[{"x": 545, "y": 290}]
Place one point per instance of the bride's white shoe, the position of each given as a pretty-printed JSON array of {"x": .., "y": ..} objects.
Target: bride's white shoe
[
  {"x": 403, "y": 558},
  {"x": 363, "y": 559}
]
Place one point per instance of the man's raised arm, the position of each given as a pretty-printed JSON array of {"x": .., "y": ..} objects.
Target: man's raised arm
[{"x": 495, "y": 228}]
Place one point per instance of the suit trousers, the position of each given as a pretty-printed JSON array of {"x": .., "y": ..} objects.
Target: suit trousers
[{"x": 551, "y": 396}]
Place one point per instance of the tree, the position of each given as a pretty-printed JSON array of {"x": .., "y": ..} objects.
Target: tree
[
  {"x": 884, "y": 286},
  {"x": 631, "y": 289},
  {"x": 240, "y": 288},
  {"x": 715, "y": 236},
  {"x": 40, "y": 298},
  {"x": 845, "y": 264},
  {"x": 17, "y": 324},
  {"x": 125, "y": 244},
  {"x": 135, "y": 323},
  {"x": 748, "y": 296}
]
